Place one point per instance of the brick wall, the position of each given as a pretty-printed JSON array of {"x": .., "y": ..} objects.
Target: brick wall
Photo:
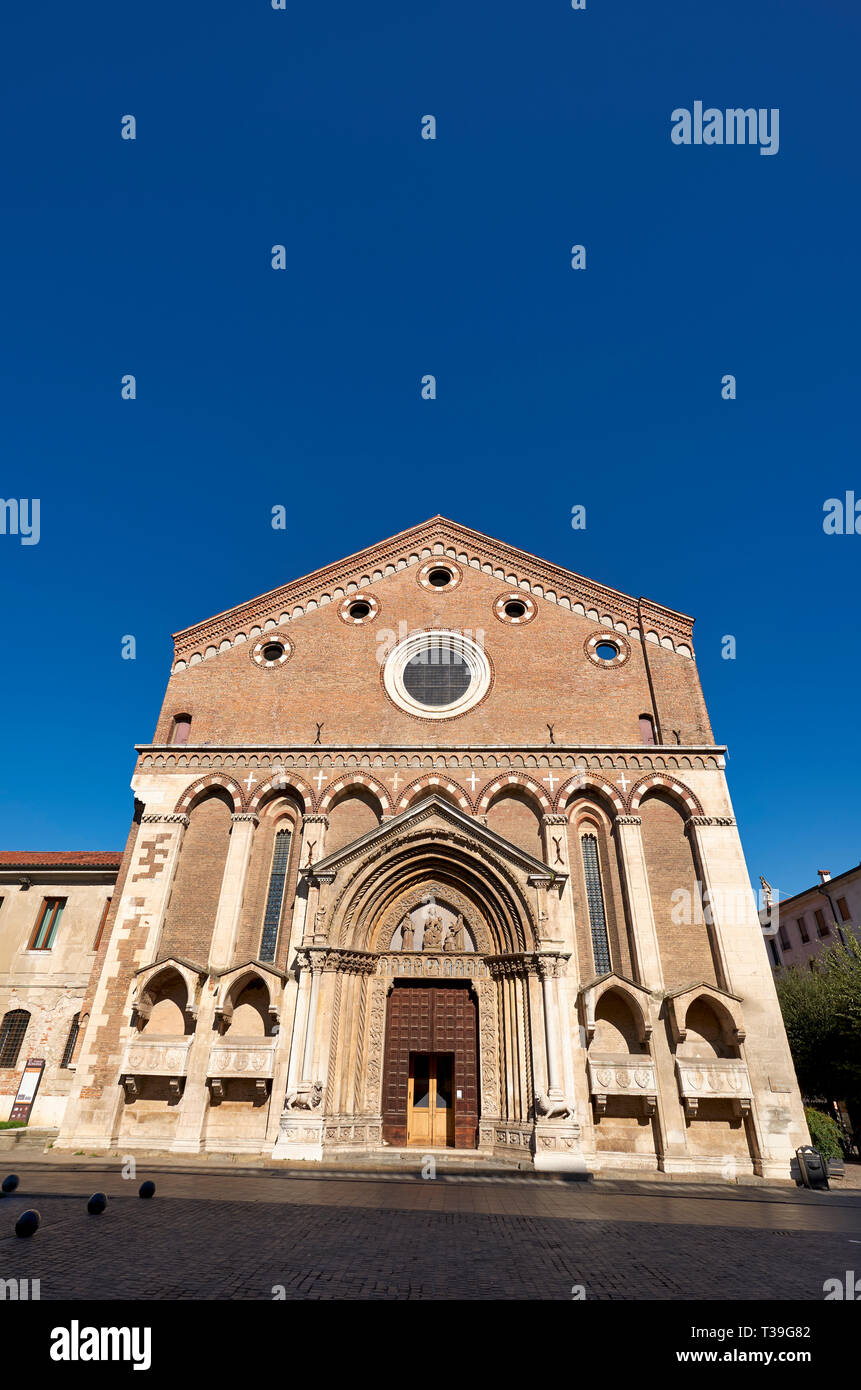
[
  {"x": 542, "y": 675},
  {"x": 686, "y": 952},
  {"x": 194, "y": 899}
]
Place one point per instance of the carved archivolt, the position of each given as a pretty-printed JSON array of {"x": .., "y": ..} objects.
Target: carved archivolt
[
  {"x": 442, "y": 893},
  {"x": 503, "y": 900}
]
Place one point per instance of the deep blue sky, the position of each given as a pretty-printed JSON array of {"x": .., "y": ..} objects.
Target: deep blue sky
[{"x": 405, "y": 257}]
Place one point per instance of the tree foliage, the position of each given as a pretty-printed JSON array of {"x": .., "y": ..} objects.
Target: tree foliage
[
  {"x": 822, "y": 1013},
  {"x": 824, "y": 1133}
]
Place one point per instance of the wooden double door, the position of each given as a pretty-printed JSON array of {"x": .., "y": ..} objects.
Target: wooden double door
[{"x": 430, "y": 1069}]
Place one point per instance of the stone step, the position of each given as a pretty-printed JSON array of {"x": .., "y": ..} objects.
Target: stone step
[{"x": 26, "y": 1138}]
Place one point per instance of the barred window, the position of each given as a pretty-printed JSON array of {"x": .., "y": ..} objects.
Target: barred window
[
  {"x": 46, "y": 927},
  {"x": 71, "y": 1041},
  {"x": 12, "y": 1031},
  {"x": 595, "y": 899},
  {"x": 275, "y": 899}
]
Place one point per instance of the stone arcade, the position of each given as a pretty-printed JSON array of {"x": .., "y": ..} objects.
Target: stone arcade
[{"x": 369, "y": 903}]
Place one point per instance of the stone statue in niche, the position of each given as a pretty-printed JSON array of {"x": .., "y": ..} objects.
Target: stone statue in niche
[
  {"x": 454, "y": 939},
  {"x": 435, "y": 931},
  {"x": 407, "y": 931}
]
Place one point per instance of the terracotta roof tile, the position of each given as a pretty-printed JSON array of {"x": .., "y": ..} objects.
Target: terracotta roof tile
[{"x": 61, "y": 858}]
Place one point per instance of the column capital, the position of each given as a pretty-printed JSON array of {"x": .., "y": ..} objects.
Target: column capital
[
  {"x": 550, "y": 965},
  {"x": 554, "y": 819},
  {"x": 628, "y": 820},
  {"x": 696, "y": 822},
  {"x": 157, "y": 818},
  {"x": 313, "y": 959},
  {"x": 250, "y": 816}
]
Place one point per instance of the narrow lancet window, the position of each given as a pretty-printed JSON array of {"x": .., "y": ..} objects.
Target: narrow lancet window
[
  {"x": 595, "y": 900},
  {"x": 275, "y": 898}
]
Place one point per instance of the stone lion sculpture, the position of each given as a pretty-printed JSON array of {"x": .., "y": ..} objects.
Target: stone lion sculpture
[
  {"x": 304, "y": 1097},
  {"x": 553, "y": 1105}
]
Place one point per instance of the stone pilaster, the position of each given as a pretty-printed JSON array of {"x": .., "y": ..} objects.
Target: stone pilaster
[
  {"x": 232, "y": 891},
  {"x": 644, "y": 937},
  {"x": 94, "y": 1107},
  {"x": 776, "y": 1110}
]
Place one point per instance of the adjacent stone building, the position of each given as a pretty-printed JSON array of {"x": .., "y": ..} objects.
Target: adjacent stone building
[
  {"x": 53, "y": 913},
  {"x": 798, "y": 929},
  {"x": 418, "y": 861}
]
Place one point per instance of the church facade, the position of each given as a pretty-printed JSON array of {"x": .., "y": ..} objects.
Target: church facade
[{"x": 433, "y": 850}]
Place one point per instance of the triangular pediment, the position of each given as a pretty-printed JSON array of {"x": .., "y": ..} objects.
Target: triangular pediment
[
  {"x": 436, "y": 537},
  {"x": 435, "y": 809}
]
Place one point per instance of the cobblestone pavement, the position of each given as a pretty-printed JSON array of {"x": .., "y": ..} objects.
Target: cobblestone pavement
[{"x": 214, "y": 1235}]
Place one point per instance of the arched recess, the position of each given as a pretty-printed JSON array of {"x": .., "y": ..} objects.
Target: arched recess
[
  {"x": 527, "y": 786},
  {"x": 724, "y": 1008},
  {"x": 705, "y": 1032},
  {"x": 515, "y": 814},
  {"x": 713, "y": 1078},
  {"x": 622, "y": 1079},
  {"x": 673, "y": 790},
  {"x": 588, "y": 818},
  {"x": 681, "y": 918},
  {"x": 375, "y": 889},
  {"x": 362, "y": 782},
  {"x": 247, "y": 1009},
  {"x": 196, "y": 888},
  {"x": 282, "y": 781},
  {"x": 354, "y": 812},
  {"x": 442, "y": 787},
  {"x": 273, "y": 877},
  {"x": 617, "y": 1025},
  {"x": 192, "y": 795},
  {"x": 164, "y": 1002},
  {"x": 585, "y": 781}
]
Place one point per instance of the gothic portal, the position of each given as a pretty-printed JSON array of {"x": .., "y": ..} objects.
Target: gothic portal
[{"x": 433, "y": 850}]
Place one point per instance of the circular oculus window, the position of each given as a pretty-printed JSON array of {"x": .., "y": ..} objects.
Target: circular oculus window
[
  {"x": 439, "y": 575},
  {"x": 607, "y": 649},
  {"x": 516, "y": 608},
  {"x": 272, "y": 650},
  {"x": 358, "y": 608},
  {"x": 436, "y": 675}
]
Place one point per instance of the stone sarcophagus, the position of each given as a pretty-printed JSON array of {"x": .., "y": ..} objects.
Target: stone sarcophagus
[
  {"x": 622, "y": 1074},
  {"x": 246, "y": 1061},
  {"x": 162, "y": 1057},
  {"x": 713, "y": 1078}
]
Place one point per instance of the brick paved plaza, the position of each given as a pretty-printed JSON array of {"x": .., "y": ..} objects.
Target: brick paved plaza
[{"x": 220, "y": 1235}]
